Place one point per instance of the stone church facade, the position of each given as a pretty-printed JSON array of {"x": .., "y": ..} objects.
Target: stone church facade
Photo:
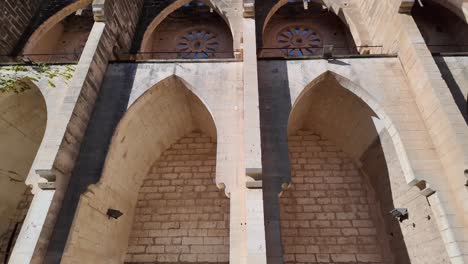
[{"x": 226, "y": 131}]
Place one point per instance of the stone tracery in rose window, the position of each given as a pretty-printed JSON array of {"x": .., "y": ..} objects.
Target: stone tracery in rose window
[
  {"x": 198, "y": 44},
  {"x": 298, "y": 40}
]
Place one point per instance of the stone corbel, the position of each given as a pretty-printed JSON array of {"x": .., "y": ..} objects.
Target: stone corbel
[
  {"x": 249, "y": 8},
  {"x": 252, "y": 183},
  {"x": 254, "y": 178},
  {"x": 424, "y": 188},
  {"x": 49, "y": 176},
  {"x": 98, "y": 10},
  {"x": 406, "y": 6}
]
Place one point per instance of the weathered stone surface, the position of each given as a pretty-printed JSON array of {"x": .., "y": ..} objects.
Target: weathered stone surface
[{"x": 383, "y": 123}]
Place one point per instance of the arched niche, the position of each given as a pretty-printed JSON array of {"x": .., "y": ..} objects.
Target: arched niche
[
  {"x": 157, "y": 120},
  {"x": 23, "y": 118},
  {"x": 63, "y": 36},
  {"x": 347, "y": 175},
  {"x": 442, "y": 30},
  {"x": 446, "y": 35},
  {"x": 293, "y": 31},
  {"x": 188, "y": 30},
  {"x": 458, "y": 7}
]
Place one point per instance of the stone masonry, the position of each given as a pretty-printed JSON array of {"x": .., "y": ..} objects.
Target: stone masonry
[
  {"x": 326, "y": 214},
  {"x": 18, "y": 15},
  {"x": 317, "y": 120},
  {"x": 181, "y": 215}
]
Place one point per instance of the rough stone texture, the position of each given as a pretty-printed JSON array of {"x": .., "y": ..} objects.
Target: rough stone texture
[
  {"x": 327, "y": 214},
  {"x": 14, "y": 19},
  {"x": 8, "y": 238},
  {"x": 415, "y": 240},
  {"x": 352, "y": 102},
  {"x": 121, "y": 18},
  {"x": 181, "y": 215},
  {"x": 140, "y": 128}
]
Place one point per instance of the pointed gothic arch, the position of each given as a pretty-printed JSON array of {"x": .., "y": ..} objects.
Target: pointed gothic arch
[
  {"x": 366, "y": 101},
  {"x": 291, "y": 30},
  {"x": 23, "y": 120},
  {"x": 47, "y": 37},
  {"x": 221, "y": 30},
  {"x": 342, "y": 145},
  {"x": 153, "y": 123}
]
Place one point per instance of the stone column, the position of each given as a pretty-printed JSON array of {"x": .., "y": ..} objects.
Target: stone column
[
  {"x": 30, "y": 231},
  {"x": 256, "y": 248},
  {"x": 252, "y": 151},
  {"x": 447, "y": 129},
  {"x": 56, "y": 156}
]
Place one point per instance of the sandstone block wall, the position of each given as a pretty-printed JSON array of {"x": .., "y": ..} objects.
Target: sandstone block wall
[
  {"x": 14, "y": 19},
  {"x": 422, "y": 241},
  {"x": 181, "y": 215},
  {"x": 327, "y": 214}
]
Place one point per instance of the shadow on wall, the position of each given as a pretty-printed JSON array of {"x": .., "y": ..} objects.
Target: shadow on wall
[
  {"x": 193, "y": 31},
  {"x": 62, "y": 42},
  {"x": 443, "y": 30},
  {"x": 460, "y": 98},
  {"x": 109, "y": 109},
  {"x": 275, "y": 106},
  {"x": 23, "y": 119},
  {"x": 295, "y": 32},
  {"x": 331, "y": 212},
  {"x": 377, "y": 173},
  {"x": 159, "y": 118}
]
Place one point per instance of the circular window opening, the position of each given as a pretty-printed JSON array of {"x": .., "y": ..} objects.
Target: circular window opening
[
  {"x": 298, "y": 41},
  {"x": 198, "y": 44}
]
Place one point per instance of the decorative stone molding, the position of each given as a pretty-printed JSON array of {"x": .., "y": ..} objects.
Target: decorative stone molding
[
  {"x": 298, "y": 40},
  {"x": 198, "y": 43},
  {"x": 249, "y": 8}
]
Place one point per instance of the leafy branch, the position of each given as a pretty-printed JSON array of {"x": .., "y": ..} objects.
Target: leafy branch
[{"x": 15, "y": 78}]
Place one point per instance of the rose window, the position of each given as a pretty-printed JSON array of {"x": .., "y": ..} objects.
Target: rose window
[
  {"x": 298, "y": 41},
  {"x": 198, "y": 44}
]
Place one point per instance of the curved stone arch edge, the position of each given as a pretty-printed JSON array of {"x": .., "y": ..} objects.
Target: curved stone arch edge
[
  {"x": 49, "y": 96},
  {"x": 144, "y": 47},
  {"x": 138, "y": 95},
  {"x": 346, "y": 17},
  {"x": 52, "y": 21},
  {"x": 410, "y": 177}
]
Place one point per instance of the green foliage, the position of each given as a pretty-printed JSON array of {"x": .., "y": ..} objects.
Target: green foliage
[{"x": 15, "y": 78}]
